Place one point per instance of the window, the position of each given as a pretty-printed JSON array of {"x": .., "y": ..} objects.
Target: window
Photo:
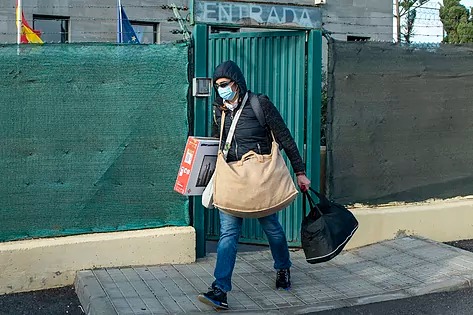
[
  {"x": 54, "y": 29},
  {"x": 351, "y": 38},
  {"x": 218, "y": 29},
  {"x": 147, "y": 32}
]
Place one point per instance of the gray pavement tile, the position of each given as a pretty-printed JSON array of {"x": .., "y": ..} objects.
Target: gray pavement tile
[
  {"x": 126, "y": 289},
  {"x": 116, "y": 275},
  {"x": 114, "y": 293},
  {"x": 137, "y": 304},
  {"x": 365, "y": 268},
  {"x": 104, "y": 278},
  {"x": 315, "y": 290},
  {"x": 100, "y": 305},
  {"x": 87, "y": 285},
  {"x": 406, "y": 243},
  {"x": 121, "y": 305},
  {"x": 196, "y": 281},
  {"x": 163, "y": 297},
  {"x": 330, "y": 275},
  {"x": 143, "y": 273},
  {"x": 433, "y": 253},
  {"x": 464, "y": 262},
  {"x": 400, "y": 261},
  {"x": 376, "y": 251},
  {"x": 356, "y": 287},
  {"x": 154, "y": 305},
  {"x": 241, "y": 302},
  {"x": 430, "y": 272},
  {"x": 390, "y": 280},
  {"x": 347, "y": 259}
]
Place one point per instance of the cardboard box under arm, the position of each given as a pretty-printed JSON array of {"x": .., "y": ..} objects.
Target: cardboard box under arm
[{"x": 197, "y": 165}]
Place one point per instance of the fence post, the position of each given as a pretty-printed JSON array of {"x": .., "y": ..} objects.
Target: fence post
[
  {"x": 314, "y": 101},
  {"x": 201, "y": 39}
]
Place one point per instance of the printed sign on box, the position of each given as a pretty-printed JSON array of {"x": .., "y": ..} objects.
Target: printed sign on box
[{"x": 197, "y": 165}]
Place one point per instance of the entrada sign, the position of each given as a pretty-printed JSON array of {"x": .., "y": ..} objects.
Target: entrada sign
[{"x": 257, "y": 14}]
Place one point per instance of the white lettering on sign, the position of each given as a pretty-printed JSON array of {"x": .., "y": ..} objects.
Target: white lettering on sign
[
  {"x": 305, "y": 19},
  {"x": 261, "y": 14},
  {"x": 225, "y": 12},
  {"x": 210, "y": 10},
  {"x": 273, "y": 17},
  {"x": 255, "y": 13},
  {"x": 290, "y": 16}
]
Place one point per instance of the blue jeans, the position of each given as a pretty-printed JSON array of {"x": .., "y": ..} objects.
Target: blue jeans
[{"x": 230, "y": 228}]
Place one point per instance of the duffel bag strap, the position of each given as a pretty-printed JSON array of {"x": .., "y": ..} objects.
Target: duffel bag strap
[
  {"x": 314, "y": 208},
  {"x": 323, "y": 200}
]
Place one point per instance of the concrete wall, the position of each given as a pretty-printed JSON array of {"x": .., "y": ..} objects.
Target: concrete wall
[
  {"x": 47, "y": 263},
  {"x": 369, "y": 18},
  {"x": 91, "y": 20},
  {"x": 400, "y": 123},
  {"x": 442, "y": 221}
]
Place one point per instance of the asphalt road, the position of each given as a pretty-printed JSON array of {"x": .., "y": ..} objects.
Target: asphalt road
[
  {"x": 46, "y": 302},
  {"x": 445, "y": 303},
  {"x": 65, "y": 301}
]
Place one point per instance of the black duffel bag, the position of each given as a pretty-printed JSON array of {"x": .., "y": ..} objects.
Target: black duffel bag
[{"x": 326, "y": 229}]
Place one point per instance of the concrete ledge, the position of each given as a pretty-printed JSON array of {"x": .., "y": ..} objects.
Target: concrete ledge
[
  {"x": 441, "y": 221},
  {"x": 48, "y": 263},
  {"x": 452, "y": 284}
]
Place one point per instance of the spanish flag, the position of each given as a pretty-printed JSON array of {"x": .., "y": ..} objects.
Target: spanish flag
[{"x": 28, "y": 34}]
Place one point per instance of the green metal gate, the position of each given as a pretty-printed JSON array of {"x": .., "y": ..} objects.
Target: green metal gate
[{"x": 286, "y": 66}]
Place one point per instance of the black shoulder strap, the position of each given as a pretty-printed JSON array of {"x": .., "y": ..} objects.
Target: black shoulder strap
[{"x": 256, "y": 106}]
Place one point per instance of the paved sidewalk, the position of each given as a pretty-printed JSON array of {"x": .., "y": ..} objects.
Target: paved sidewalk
[{"x": 389, "y": 270}]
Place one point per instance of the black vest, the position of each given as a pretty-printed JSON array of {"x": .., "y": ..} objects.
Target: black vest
[{"x": 249, "y": 134}]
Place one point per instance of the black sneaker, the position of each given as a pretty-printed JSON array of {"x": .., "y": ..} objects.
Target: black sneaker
[
  {"x": 215, "y": 298},
  {"x": 283, "y": 279}
]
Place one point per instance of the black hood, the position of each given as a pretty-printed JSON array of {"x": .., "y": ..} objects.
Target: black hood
[{"x": 229, "y": 69}]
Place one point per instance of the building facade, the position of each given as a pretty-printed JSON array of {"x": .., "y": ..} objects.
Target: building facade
[{"x": 74, "y": 21}]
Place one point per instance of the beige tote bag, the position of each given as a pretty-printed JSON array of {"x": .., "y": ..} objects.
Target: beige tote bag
[
  {"x": 207, "y": 195},
  {"x": 255, "y": 186}
]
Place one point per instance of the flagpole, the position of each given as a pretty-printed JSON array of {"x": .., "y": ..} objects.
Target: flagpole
[
  {"x": 19, "y": 22},
  {"x": 119, "y": 23}
]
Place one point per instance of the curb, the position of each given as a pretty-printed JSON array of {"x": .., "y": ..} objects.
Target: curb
[
  {"x": 91, "y": 295},
  {"x": 453, "y": 284}
]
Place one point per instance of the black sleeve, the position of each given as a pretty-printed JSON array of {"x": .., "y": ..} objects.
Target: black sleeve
[
  {"x": 216, "y": 119},
  {"x": 281, "y": 133}
]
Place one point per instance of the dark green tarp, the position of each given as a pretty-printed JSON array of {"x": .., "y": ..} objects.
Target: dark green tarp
[{"x": 91, "y": 137}]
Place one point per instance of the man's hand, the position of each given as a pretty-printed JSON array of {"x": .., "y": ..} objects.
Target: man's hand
[{"x": 303, "y": 182}]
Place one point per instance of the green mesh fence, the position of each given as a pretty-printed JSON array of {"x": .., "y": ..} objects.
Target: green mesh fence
[{"x": 91, "y": 138}]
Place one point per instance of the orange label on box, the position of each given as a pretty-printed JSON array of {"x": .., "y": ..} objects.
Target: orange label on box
[{"x": 186, "y": 166}]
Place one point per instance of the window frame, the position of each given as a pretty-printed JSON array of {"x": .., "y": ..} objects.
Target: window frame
[{"x": 156, "y": 28}]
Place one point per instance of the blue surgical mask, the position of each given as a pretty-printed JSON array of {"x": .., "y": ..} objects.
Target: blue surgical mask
[{"x": 226, "y": 93}]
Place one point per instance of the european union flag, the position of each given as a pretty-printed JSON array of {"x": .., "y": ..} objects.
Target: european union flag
[{"x": 127, "y": 33}]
